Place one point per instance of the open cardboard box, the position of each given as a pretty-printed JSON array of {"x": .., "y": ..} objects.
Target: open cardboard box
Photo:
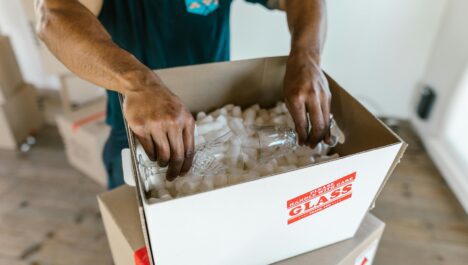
[
  {"x": 84, "y": 134},
  {"x": 276, "y": 217},
  {"x": 122, "y": 223}
]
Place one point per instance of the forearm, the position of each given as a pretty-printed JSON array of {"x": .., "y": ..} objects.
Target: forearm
[
  {"x": 76, "y": 37},
  {"x": 307, "y": 24}
]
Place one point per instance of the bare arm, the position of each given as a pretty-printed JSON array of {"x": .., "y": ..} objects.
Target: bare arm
[
  {"x": 307, "y": 94},
  {"x": 158, "y": 118},
  {"x": 76, "y": 38}
]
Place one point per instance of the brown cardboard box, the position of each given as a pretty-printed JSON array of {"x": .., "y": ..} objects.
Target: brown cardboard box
[
  {"x": 10, "y": 73},
  {"x": 51, "y": 105},
  {"x": 122, "y": 223},
  {"x": 77, "y": 93},
  {"x": 272, "y": 218},
  {"x": 19, "y": 117},
  {"x": 84, "y": 133}
]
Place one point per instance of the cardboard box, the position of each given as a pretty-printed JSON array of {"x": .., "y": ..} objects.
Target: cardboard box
[
  {"x": 272, "y": 218},
  {"x": 122, "y": 223},
  {"x": 51, "y": 105},
  {"x": 77, "y": 93},
  {"x": 51, "y": 64},
  {"x": 84, "y": 134},
  {"x": 20, "y": 117},
  {"x": 11, "y": 78}
]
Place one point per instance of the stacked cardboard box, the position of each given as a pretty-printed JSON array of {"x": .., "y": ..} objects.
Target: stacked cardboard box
[
  {"x": 82, "y": 126},
  {"x": 19, "y": 111},
  {"x": 84, "y": 133},
  {"x": 77, "y": 94},
  {"x": 123, "y": 227}
]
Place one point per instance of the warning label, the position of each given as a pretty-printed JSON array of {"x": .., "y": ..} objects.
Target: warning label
[{"x": 320, "y": 198}]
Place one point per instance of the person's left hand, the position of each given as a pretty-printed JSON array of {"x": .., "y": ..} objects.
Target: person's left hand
[{"x": 306, "y": 92}]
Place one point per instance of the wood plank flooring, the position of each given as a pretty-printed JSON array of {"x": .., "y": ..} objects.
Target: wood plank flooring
[
  {"x": 48, "y": 210},
  {"x": 425, "y": 224},
  {"x": 49, "y": 214}
]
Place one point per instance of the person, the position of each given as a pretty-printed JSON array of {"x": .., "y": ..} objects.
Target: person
[{"x": 115, "y": 44}]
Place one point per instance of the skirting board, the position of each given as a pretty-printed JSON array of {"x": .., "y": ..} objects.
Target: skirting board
[{"x": 452, "y": 171}]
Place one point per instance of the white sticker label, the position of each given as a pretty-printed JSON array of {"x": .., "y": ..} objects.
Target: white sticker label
[{"x": 367, "y": 256}]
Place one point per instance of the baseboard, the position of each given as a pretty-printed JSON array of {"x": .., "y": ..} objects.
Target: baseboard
[{"x": 452, "y": 171}]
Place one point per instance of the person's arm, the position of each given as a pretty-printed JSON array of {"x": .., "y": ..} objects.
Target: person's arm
[
  {"x": 159, "y": 119},
  {"x": 307, "y": 94}
]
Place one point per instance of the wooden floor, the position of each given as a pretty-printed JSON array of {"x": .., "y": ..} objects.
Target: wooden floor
[
  {"x": 425, "y": 223},
  {"x": 49, "y": 214},
  {"x": 48, "y": 211}
]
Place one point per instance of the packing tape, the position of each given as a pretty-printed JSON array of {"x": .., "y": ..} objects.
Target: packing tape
[
  {"x": 141, "y": 256},
  {"x": 76, "y": 125}
]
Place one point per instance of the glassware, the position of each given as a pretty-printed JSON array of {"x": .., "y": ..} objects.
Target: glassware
[
  {"x": 205, "y": 161},
  {"x": 219, "y": 154}
]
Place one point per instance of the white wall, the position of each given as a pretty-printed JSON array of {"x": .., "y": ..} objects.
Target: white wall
[
  {"x": 376, "y": 49},
  {"x": 446, "y": 66},
  {"x": 14, "y": 23},
  {"x": 444, "y": 133},
  {"x": 257, "y": 32},
  {"x": 455, "y": 131}
]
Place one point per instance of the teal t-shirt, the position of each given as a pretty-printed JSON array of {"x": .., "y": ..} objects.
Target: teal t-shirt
[{"x": 167, "y": 33}]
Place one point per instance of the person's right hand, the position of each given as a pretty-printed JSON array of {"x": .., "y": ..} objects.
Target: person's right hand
[{"x": 164, "y": 127}]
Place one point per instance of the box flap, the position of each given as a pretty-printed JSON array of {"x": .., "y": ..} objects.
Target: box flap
[{"x": 122, "y": 206}]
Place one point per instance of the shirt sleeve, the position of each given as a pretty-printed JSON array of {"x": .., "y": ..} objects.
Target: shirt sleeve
[{"x": 262, "y": 2}]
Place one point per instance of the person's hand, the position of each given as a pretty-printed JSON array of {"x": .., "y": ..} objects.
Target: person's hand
[
  {"x": 306, "y": 92},
  {"x": 164, "y": 127}
]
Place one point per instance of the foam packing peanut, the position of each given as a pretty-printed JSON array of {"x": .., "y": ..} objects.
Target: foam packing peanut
[
  {"x": 207, "y": 127},
  {"x": 305, "y": 161},
  {"x": 282, "y": 119},
  {"x": 291, "y": 159},
  {"x": 260, "y": 121},
  {"x": 219, "y": 112},
  {"x": 220, "y": 180},
  {"x": 249, "y": 116},
  {"x": 251, "y": 175},
  {"x": 239, "y": 155},
  {"x": 201, "y": 115},
  {"x": 264, "y": 114},
  {"x": 234, "y": 154},
  {"x": 237, "y": 112},
  {"x": 235, "y": 178},
  {"x": 206, "y": 119},
  {"x": 237, "y": 126},
  {"x": 279, "y": 108},
  {"x": 189, "y": 187},
  {"x": 282, "y": 161},
  {"x": 163, "y": 194},
  {"x": 206, "y": 184},
  {"x": 229, "y": 107}
]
